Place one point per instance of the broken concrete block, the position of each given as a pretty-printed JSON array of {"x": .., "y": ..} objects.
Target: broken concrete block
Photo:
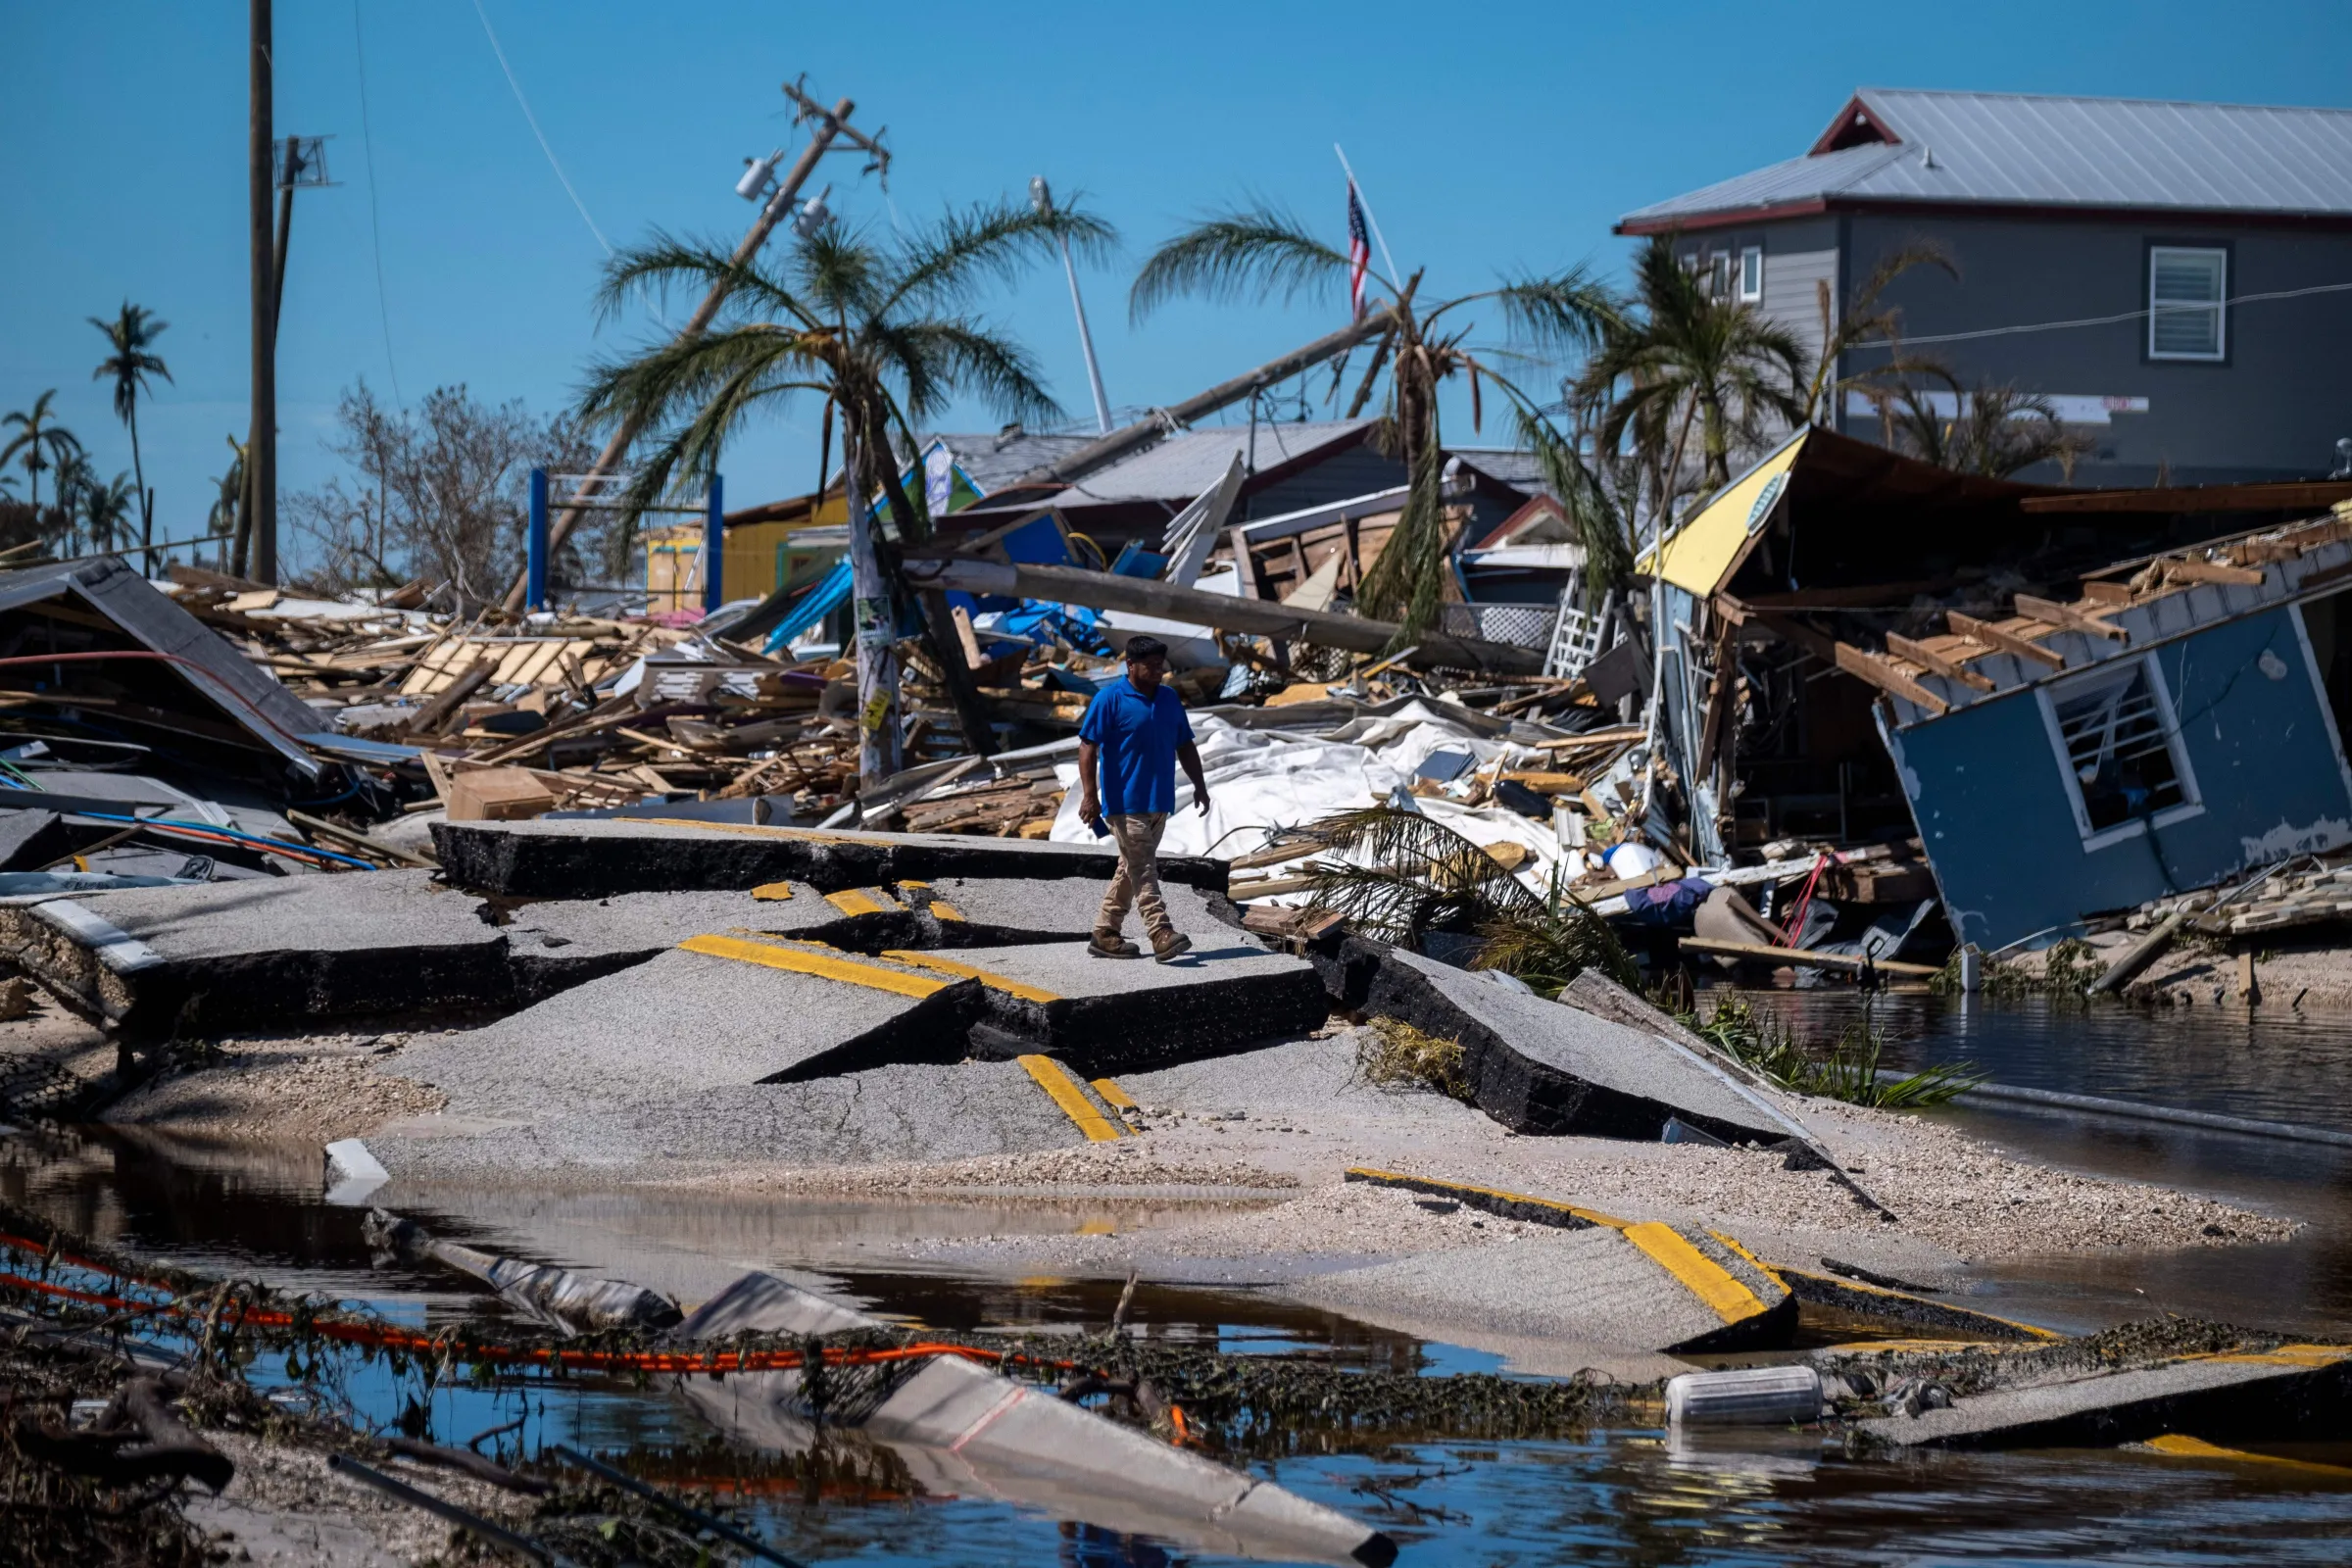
[
  {"x": 1539, "y": 1066},
  {"x": 1004, "y": 911},
  {"x": 1106, "y": 1016},
  {"x": 258, "y": 953},
  {"x": 580, "y": 858},
  {"x": 560, "y": 944}
]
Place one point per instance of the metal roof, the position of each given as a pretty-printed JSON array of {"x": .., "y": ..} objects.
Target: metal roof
[
  {"x": 994, "y": 460},
  {"x": 1183, "y": 465},
  {"x": 2026, "y": 150}
]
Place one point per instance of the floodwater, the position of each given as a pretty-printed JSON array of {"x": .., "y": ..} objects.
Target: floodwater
[{"x": 1616, "y": 1496}]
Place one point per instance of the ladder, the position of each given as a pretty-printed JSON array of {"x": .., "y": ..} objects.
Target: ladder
[{"x": 1577, "y": 638}]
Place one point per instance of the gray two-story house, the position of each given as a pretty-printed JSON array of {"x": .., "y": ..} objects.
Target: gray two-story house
[{"x": 2175, "y": 277}]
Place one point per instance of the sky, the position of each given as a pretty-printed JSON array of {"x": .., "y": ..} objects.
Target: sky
[{"x": 1494, "y": 138}]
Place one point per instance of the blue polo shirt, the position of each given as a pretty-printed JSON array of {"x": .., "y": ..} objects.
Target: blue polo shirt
[{"x": 1138, "y": 737}]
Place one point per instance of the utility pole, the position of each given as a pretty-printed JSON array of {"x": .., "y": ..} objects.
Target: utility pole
[
  {"x": 1040, "y": 196},
  {"x": 261, "y": 458},
  {"x": 295, "y": 162},
  {"x": 831, "y": 125}
]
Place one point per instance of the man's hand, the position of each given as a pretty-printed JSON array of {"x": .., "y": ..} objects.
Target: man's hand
[
  {"x": 1201, "y": 798},
  {"x": 1090, "y": 809}
]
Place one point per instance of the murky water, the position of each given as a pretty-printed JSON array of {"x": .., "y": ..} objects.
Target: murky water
[{"x": 1627, "y": 1496}]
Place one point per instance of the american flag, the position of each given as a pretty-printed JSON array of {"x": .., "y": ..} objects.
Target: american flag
[{"x": 1359, "y": 252}]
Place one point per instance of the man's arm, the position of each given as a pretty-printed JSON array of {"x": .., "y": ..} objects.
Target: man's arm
[
  {"x": 1090, "y": 802},
  {"x": 1189, "y": 756}
]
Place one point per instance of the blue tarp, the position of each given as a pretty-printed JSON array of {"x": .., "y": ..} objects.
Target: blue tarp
[{"x": 825, "y": 596}]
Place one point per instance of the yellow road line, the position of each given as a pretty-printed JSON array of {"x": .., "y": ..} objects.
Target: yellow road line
[
  {"x": 1393, "y": 1178},
  {"x": 2183, "y": 1446},
  {"x": 1700, "y": 1274},
  {"x": 1761, "y": 1267},
  {"x": 803, "y": 834},
  {"x": 1113, "y": 1096},
  {"x": 967, "y": 972},
  {"x": 823, "y": 964},
  {"x": 1056, "y": 1080},
  {"x": 772, "y": 892},
  {"x": 1779, "y": 1271},
  {"x": 858, "y": 901},
  {"x": 941, "y": 910}
]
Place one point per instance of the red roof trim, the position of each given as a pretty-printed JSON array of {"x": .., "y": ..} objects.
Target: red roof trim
[
  {"x": 1855, "y": 126},
  {"x": 1812, "y": 206}
]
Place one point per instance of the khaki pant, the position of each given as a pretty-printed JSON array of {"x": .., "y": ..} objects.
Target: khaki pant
[{"x": 1136, "y": 880}]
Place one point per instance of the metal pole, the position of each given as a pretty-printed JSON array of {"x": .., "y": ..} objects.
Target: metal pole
[
  {"x": 261, "y": 459},
  {"x": 536, "y": 543},
  {"x": 1367, "y": 202},
  {"x": 714, "y": 545},
  {"x": 829, "y": 125},
  {"x": 1086, "y": 341}
]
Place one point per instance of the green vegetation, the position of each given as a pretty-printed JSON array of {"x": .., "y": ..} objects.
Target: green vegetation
[{"x": 1846, "y": 1069}]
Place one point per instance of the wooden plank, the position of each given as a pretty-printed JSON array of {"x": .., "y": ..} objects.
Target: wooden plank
[
  {"x": 1819, "y": 644},
  {"x": 2051, "y": 613},
  {"x": 1803, "y": 957},
  {"x": 2292, "y": 494},
  {"x": 1887, "y": 678},
  {"x": 2107, "y": 593},
  {"x": 2196, "y": 569},
  {"x": 1935, "y": 663},
  {"x": 2008, "y": 642}
]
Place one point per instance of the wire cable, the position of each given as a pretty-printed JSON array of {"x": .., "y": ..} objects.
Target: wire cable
[
  {"x": 524, "y": 104},
  {"x": 2103, "y": 321},
  {"x": 376, "y": 232}
]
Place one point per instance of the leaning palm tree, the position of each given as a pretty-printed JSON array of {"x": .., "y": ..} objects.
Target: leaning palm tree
[
  {"x": 40, "y": 442},
  {"x": 884, "y": 332},
  {"x": 1689, "y": 364},
  {"x": 1260, "y": 253},
  {"x": 132, "y": 335},
  {"x": 1868, "y": 321}
]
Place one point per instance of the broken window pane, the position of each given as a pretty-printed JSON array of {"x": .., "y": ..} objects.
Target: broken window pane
[{"x": 2119, "y": 746}]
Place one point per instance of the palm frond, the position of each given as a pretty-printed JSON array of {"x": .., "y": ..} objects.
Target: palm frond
[
  {"x": 1567, "y": 311},
  {"x": 1243, "y": 254},
  {"x": 1591, "y": 510},
  {"x": 948, "y": 262},
  {"x": 969, "y": 359},
  {"x": 1407, "y": 582},
  {"x": 663, "y": 262}
]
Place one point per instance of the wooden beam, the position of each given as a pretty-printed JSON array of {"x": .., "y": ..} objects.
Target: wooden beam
[
  {"x": 2107, "y": 593},
  {"x": 2293, "y": 495},
  {"x": 1887, "y": 678},
  {"x": 2195, "y": 568},
  {"x": 1935, "y": 663},
  {"x": 1804, "y": 958},
  {"x": 2051, "y": 611},
  {"x": 2007, "y": 642},
  {"x": 1819, "y": 644},
  {"x": 1251, "y": 582}
]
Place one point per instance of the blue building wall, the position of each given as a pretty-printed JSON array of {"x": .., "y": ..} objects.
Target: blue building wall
[{"x": 1996, "y": 815}]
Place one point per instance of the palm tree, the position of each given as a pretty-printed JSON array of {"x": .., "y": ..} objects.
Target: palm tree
[
  {"x": 1994, "y": 430},
  {"x": 74, "y": 481},
  {"x": 881, "y": 330},
  {"x": 130, "y": 335},
  {"x": 40, "y": 442},
  {"x": 1260, "y": 252},
  {"x": 1867, "y": 323},
  {"x": 106, "y": 509},
  {"x": 1690, "y": 363},
  {"x": 230, "y": 504}
]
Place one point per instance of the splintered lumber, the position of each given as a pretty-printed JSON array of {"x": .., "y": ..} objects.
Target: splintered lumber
[
  {"x": 2052, "y": 612},
  {"x": 2007, "y": 642},
  {"x": 2139, "y": 954},
  {"x": 1887, "y": 678},
  {"x": 1803, "y": 957},
  {"x": 2107, "y": 593},
  {"x": 2195, "y": 568},
  {"x": 1935, "y": 663}
]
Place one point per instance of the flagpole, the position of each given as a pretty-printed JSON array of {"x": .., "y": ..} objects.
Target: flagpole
[{"x": 1368, "y": 218}]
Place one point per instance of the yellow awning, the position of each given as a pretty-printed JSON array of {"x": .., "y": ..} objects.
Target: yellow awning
[{"x": 1698, "y": 556}]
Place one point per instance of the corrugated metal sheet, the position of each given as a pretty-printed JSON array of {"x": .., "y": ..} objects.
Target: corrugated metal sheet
[
  {"x": 1183, "y": 465},
  {"x": 2073, "y": 152},
  {"x": 994, "y": 460}
]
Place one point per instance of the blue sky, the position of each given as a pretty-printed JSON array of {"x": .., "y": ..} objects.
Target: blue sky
[{"x": 1500, "y": 136}]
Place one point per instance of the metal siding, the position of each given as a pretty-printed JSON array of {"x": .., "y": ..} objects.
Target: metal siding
[
  {"x": 1789, "y": 297},
  {"x": 1996, "y": 816}
]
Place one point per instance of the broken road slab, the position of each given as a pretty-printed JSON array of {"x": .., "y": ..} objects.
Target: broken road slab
[
  {"x": 560, "y": 944},
  {"x": 580, "y": 858},
  {"x": 1105, "y": 1015},
  {"x": 1544, "y": 1067},
  {"x": 999, "y": 911},
  {"x": 260, "y": 953}
]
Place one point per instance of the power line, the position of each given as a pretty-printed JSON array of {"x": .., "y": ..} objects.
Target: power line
[
  {"x": 375, "y": 233},
  {"x": 2102, "y": 321},
  {"x": 524, "y": 104}
]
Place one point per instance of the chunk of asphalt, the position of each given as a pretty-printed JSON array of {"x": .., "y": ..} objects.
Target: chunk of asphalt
[
  {"x": 2294, "y": 1393},
  {"x": 965, "y": 1429},
  {"x": 1005, "y": 912},
  {"x": 1883, "y": 1305},
  {"x": 564, "y": 943},
  {"x": 262, "y": 952},
  {"x": 30, "y": 840},
  {"x": 1538, "y": 1066},
  {"x": 577, "y": 859},
  {"x": 1647, "y": 1287},
  {"x": 1108, "y": 1015}
]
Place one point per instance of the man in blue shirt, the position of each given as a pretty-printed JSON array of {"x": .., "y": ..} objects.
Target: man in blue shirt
[{"x": 1133, "y": 735}]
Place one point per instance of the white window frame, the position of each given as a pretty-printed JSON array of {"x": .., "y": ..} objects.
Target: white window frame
[
  {"x": 2193, "y": 802},
  {"x": 2219, "y": 305},
  {"x": 1752, "y": 267}
]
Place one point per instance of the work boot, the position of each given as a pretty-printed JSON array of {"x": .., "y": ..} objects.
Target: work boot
[
  {"x": 1169, "y": 944},
  {"x": 1111, "y": 945}
]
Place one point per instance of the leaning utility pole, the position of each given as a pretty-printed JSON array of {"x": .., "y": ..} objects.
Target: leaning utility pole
[
  {"x": 832, "y": 124},
  {"x": 261, "y": 458}
]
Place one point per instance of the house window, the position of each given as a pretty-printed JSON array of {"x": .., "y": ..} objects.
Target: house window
[
  {"x": 1719, "y": 276},
  {"x": 2118, "y": 742},
  {"x": 2185, "y": 290},
  {"x": 1751, "y": 273}
]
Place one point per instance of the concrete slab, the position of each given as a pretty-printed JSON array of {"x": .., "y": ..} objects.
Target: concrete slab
[
  {"x": 1106, "y": 1015},
  {"x": 1539, "y": 1066},
  {"x": 564, "y": 943},
  {"x": 573, "y": 858},
  {"x": 1001, "y": 911},
  {"x": 262, "y": 952},
  {"x": 1640, "y": 1287},
  {"x": 2294, "y": 1393}
]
